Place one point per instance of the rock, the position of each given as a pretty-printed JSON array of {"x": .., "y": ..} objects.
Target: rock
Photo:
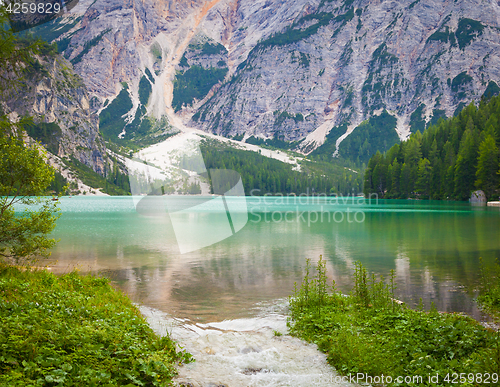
[
  {"x": 249, "y": 349},
  {"x": 339, "y": 62},
  {"x": 478, "y": 197},
  {"x": 55, "y": 95}
]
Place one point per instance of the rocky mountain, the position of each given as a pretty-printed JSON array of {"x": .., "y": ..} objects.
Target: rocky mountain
[
  {"x": 312, "y": 74},
  {"x": 60, "y": 105}
]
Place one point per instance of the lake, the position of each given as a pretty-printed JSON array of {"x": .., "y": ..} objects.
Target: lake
[{"x": 434, "y": 248}]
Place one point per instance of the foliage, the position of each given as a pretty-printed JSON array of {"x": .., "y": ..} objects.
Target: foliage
[
  {"x": 273, "y": 143},
  {"x": 116, "y": 183},
  {"x": 149, "y": 75},
  {"x": 184, "y": 62},
  {"x": 16, "y": 57},
  {"x": 329, "y": 146},
  {"x": 378, "y": 133},
  {"x": 491, "y": 90},
  {"x": 88, "y": 45},
  {"x": 487, "y": 166},
  {"x": 77, "y": 331},
  {"x": 195, "y": 83},
  {"x": 156, "y": 50},
  {"x": 462, "y": 154},
  {"x": 460, "y": 80},
  {"x": 295, "y": 34},
  {"x": 489, "y": 291},
  {"x": 442, "y": 36},
  {"x": 211, "y": 49},
  {"x": 53, "y": 29},
  {"x": 437, "y": 114},
  {"x": 145, "y": 90},
  {"x": 59, "y": 185},
  {"x": 111, "y": 122},
  {"x": 48, "y": 134},
  {"x": 292, "y": 35},
  {"x": 280, "y": 117},
  {"x": 266, "y": 175},
  {"x": 368, "y": 332},
  {"x": 467, "y": 30},
  {"x": 417, "y": 122},
  {"x": 24, "y": 175}
]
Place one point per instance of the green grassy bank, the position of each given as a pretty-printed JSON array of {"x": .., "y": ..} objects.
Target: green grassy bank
[
  {"x": 489, "y": 295},
  {"x": 74, "y": 330},
  {"x": 369, "y": 333}
]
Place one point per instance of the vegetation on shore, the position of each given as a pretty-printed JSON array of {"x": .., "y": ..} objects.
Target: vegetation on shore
[
  {"x": 489, "y": 291},
  {"x": 448, "y": 161},
  {"x": 369, "y": 332},
  {"x": 77, "y": 330},
  {"x": 263, "y": 175}
]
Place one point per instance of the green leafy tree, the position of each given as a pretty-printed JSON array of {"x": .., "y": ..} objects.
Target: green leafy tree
[
  {"x": 487, "y": 167},
  {"x": 24, "y": 174}
]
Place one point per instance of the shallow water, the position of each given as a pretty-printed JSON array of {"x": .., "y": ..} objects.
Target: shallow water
[{"x": 245, "y": 352}]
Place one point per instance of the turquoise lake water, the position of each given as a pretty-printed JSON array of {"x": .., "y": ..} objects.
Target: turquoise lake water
[{"x": 434, "y": 247}]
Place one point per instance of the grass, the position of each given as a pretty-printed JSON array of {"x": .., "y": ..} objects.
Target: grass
[
  {"x": 77, "y": 330},
  {"x": 369, "y": 332},
  {"x": 489, "y": 292}
]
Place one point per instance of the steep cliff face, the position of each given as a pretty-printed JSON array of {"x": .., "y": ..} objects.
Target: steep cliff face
[
  {"x": 59, "y": 103},
  {"x": 300, "y": 70},
  {"x": 346, "y": 61}
]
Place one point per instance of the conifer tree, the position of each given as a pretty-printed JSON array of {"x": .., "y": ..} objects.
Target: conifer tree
[{"x": 487, "y": 167}]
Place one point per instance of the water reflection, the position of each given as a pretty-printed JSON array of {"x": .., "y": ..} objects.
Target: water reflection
[{"x": 433, "y": 247}]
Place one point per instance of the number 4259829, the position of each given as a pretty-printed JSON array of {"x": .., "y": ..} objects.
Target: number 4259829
[
  {"x": 485, "y": 378},
  {"x": 39, "y": 8}
]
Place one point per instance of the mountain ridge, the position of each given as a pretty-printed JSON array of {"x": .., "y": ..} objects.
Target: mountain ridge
[{"x": 295, "y": 70}]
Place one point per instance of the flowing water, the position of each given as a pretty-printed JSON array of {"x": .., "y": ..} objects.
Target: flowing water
[{"x": 224, "y": 301}]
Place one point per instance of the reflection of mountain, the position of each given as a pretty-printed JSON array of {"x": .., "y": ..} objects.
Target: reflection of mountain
[
  {"x": 287, "y": 70},
  {"x": 431, "y": 247}
]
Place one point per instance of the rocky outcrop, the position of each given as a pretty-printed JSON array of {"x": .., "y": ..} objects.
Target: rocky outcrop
[{"x": 59, "y": 103}]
